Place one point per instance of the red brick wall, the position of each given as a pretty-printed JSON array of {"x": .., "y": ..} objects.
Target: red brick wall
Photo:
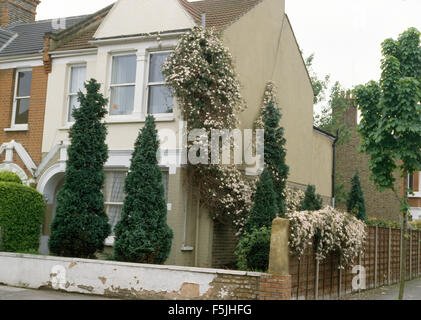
[
  {"x": 31, "y": 139},
  {"x": 273, "y": 287}
]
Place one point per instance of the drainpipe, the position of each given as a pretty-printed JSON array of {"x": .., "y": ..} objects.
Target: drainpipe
[
  {"x": 204, "y": 20},
  {"x": 333, "y": 168},
  {"x": 196, "y": 245}
]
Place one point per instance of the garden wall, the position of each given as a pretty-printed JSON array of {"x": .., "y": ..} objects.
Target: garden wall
[
  {"x": 381, "y": 260},
  {"x": 137, "y": 281}
]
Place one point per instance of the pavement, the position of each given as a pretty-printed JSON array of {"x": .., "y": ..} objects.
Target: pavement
[
  {"x": 12, "y": 293},
  {"x": 412, "y": 292}
]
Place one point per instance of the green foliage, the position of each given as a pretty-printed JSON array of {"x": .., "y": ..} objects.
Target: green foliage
[
  {"x": 319, "y": 85},
  {"x": 416, "y": 224},
  {"x": 391, "y": 113},
  {"x": 265, "y": 208},
  {"x": 332, "y": 115},
  {"x": 253, "y": 250},
  {"x": 275, "y": 154},
  {"x": 22, "y": 211},
  {"x": 383, "y": 223},
  {"x": 142, "y": 234},
  {"x": 356, "y": 202},
  {"x": 81, "y": 224},
  {"x": 7, "y": 176},
  {"x": 311, "y": 201}
]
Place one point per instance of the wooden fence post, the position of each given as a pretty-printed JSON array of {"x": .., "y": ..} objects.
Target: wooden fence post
[
  {"x": 410, "y": 254},
  {"x": 419, "y": 244},
  {"x": 376, "y": 254},
  {"x": 389, "y": 257},
  {"x": 316, "y": 285}
]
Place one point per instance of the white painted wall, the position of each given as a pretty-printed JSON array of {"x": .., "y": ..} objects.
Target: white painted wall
[
  {"x": 130, "y": 17},
  {"x": 106, "y": 277}
]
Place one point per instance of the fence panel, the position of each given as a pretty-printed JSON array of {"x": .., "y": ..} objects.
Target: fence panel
[{"x": 381, "y": 260}]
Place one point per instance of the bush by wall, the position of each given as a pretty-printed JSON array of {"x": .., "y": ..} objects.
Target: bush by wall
[
  {"x": 22, "y": 211},
  {"x": 7, "y": 176},
  {"x": 253, "y": 250}
]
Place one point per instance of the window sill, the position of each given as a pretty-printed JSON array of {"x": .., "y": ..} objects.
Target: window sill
[
  {"x": 129, "y": 119},
  {"x": 416, "y": 195},
  {"x": 17, "y": 128}
]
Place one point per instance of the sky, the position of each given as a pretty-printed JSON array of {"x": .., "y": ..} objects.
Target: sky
[{"x": 345, "y": 36}]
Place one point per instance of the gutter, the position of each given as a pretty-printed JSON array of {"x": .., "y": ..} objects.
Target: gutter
[
  {"x": 334, "y": 168},
  {"x": 166, "y": 35}
]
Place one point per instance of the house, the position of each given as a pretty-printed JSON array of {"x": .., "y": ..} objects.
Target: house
[
  {"x": 380, "y": 205},
  {"x": 23, "y": 86},
  {"x": 123, "y": 47}
]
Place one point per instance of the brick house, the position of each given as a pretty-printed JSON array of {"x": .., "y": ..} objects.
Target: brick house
[
  {"x": 381, "y": 205},
  {"x": 23, "y": 86}
]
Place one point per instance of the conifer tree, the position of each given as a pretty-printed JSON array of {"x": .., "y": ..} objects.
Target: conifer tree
[
  {"x": 80, "y": 226},
  {"x": 356, "y": 202},
  {"x": 311, "y": 201},
  {"x": 265, "y": 208},
  {"x": 142, "y": 234},
  {"x": 275, "y": 154}
]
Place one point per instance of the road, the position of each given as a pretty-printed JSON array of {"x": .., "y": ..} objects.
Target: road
[{"x": 11, "y": 293}]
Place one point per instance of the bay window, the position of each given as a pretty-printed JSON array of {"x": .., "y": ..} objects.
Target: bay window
[
  {"x": 76, "y": 83},
  {"x": 160, "y": 97},
  {"x": 123, "y": 83}
]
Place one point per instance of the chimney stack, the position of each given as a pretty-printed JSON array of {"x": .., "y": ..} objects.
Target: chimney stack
[{"x": 12, "y": 11}]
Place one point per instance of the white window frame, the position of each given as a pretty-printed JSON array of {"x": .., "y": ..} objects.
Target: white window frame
[
  {"x": 158, "y": 116},
  {"x": 69, "y": 94},
  {"x": 418, "y": 193},
  {"x": 125, "y": 117},
  {"x": 15, "y": 126}
]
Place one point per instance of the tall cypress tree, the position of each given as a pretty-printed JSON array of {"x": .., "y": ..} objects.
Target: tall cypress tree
[
  {"x": 356, "y": 202},
  {"x": 311, "y": 201},
  {"x": 81, "y": 224},
  {"x": 265, "y": 208},
  {"x": 142, "y": 234},
  {"x": 275, "y": 153}
]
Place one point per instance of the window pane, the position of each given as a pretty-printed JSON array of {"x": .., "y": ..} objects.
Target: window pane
[
  {"x": 122, "y": 100},
  {"x": 73, "y": 104},
  {"x": 114, "y": 186},
  {"x": 77, "y": 80},
  {"x": 22, "y": 111},
  {"x": 114, "y": 215},
  {"x": 160, "y": 100},
  {"x": 157, "y": 60},
  {"x": 124, "y": 69},
  {"x": 24, "y": 84}
]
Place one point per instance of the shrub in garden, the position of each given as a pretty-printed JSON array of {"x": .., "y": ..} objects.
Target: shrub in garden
[
  {"x": 7, "y": 176},
  {"x": 80, "y": 226},
  {"x": 22, "y": 212},
  {"x": 311, "y": 201},
  {"x": 265, "y": 208},
  {"x": 142, "y": 234},
  {"x": 356, "y": 202},
  {"x": 253, "y": 250},
  {"x": 254, "y": 245},
  {"x": 328, "y": 231}
]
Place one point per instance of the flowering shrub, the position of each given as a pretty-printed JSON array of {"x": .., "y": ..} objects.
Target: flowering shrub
[
  {"x": 329, "y": 231},
  {"x": 201, "y": 73},
  {"x": 293, "y": 198}
]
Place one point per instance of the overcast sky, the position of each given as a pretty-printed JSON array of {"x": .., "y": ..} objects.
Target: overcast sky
[{"x": 344, "y": 35}]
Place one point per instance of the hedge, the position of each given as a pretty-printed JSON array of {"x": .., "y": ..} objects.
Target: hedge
[
  {"x": 7, "y": 176},
  {"x": 22, "y": 212}
]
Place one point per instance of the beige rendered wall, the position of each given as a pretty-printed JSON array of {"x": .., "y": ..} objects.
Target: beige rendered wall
[
  {"x": 322, "y": 163},
  {"x": 264, "y": 49}
]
